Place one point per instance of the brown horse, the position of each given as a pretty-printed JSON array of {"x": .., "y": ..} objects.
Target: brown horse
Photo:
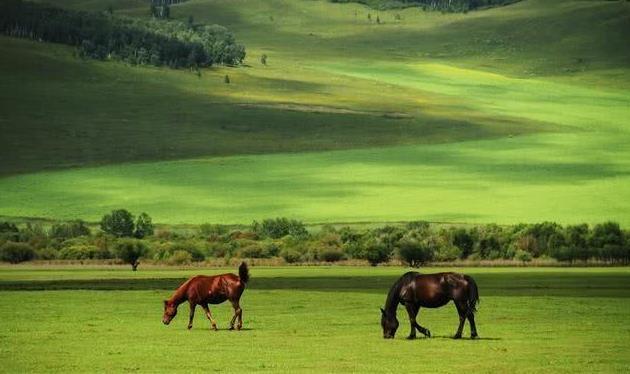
[
  {"x": 415, "y": 290},
  {"x": 203, "y": 290}
]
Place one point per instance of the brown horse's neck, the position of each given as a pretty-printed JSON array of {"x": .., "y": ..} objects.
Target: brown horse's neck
[{"x": 180, "y": 295}]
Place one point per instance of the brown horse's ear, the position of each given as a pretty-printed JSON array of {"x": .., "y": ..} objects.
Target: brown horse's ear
[{"x": 165, "y": 302}]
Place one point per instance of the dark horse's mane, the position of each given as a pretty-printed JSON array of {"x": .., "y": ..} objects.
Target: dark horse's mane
[{"x": 393, "y": 297}]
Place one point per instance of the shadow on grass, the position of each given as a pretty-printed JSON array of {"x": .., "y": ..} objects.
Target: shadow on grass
[{"x": 499, "y": 284}]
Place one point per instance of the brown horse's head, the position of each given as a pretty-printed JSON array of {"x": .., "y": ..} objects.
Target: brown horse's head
[
  {"x": 389, "y": 322},
  {"x": 170, "y": 311}
]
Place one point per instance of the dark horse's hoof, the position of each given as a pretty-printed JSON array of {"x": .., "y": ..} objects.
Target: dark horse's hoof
[
  {"x": 457, "y": 337},
  {"x": 411, "y": 337},
  {"x": 475, "y": 336}
]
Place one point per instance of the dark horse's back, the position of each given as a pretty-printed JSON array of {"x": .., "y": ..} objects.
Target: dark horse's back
[{"x": 437, "y": 289}]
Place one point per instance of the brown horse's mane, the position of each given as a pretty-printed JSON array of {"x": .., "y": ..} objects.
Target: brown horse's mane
[{"x": 179, "y": 296}]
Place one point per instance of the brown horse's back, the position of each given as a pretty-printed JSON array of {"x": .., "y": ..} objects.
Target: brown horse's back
[{"x": 214, "y": 289}]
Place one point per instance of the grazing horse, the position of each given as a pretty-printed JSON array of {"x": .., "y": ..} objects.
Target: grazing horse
[
  {"x": 203, "y": 290},
  {"x": 415, "y": 290}
]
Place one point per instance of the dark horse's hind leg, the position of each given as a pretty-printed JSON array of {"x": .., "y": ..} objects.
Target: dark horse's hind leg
[
  {"x": 462, "y": 310},
  {"x": 412, "y": 310},
  {"x": 209, "y": 315},
  {"x": 473, "y": 327},
  {"x": 238, "y": 313},
  {"x": 192, "y": 314}
]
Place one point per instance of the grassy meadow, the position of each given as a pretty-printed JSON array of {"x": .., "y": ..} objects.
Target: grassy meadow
[
  {"x": 512, "y": 114},
  {"x": 301, "y": 319}
]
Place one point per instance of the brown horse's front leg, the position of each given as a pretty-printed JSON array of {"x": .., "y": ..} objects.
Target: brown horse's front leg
[
  {"x": 192, "y": 314},
  {"x": 209, "y": 315}
]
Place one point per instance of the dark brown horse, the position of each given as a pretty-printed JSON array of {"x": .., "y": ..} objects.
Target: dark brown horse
[
  {"x": 203, "y": 290},
  {"x": 415, "y": 290}
]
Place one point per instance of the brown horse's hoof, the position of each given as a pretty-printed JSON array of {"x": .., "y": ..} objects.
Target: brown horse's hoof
[
  {"x": 239, "y": 327},
  {"x": 189, "y": 327},
  {"x": 231, "y": 328}
]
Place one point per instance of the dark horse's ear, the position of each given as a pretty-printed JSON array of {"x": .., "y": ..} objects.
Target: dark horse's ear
[{"x": 382, "y": 311}]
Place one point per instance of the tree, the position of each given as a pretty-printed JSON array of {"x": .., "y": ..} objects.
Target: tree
[
  {"x": 226, "y": 79},
  {"x": 130, "y": 251},
  {"x": 464, "y": 241},
  {"x": 118, "y": 223},
  {"x": 263, "y": 59},
  {"x": 144, "y": 226}
]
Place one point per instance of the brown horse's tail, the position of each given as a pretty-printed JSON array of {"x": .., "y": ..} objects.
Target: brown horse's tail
[
  {"x": 243, "y": 272},
  {"x": 473, "y": 294}
]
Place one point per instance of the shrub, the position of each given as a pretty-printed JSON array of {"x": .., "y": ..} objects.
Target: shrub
[
  {"x": 16, "y": 252},
  {"x": 291, "y": 255},
  {"x": 210, "y": 230},
  {"x": 252, "y": 250},
  {"x": 377, "y": 252},
  {"x": 130, "y": 251},
  {"x": 331, "y": 255},
  {"x": 46, "y": 254},
  {"x": 447, "y": 252},
  {"x": 463, "y": 240},
  {"x": 180, "y": 257},
  {"x": 280, "y": 227},
  {"x": 83, "y": 252},
  {"x": 415, "y": 252},
  {"x": 523, "y": 256},
  {"x": 69, "y": 230}
]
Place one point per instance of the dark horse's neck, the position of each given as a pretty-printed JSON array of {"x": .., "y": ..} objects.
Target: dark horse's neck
[{"x": 393, "y": 297}]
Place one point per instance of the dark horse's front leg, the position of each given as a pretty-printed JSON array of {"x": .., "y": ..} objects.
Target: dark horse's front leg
[
  {"x": 192, "y": 314},
  {"x": 412, "y": 310}
]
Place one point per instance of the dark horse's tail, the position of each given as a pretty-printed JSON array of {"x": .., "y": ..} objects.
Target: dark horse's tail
[
  {"x": 473, "y": 294},
  {"x": 243, "y": 272}
]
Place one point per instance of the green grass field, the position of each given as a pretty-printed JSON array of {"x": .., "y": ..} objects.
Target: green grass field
[
  {"x": 301, "y": 319},
  {"x": 513, "y": 114}
]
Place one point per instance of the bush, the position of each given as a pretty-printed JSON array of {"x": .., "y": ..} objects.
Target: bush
[
  {"x": 447, "y": 252},
  {"x": 46, "y": 254},
  {"x": 377, "y": 252},
  {"x": 69, "y": 230},
  {"x": 210, "y": 230},
  {"x": 280, "y": 227},
  {"x": 252, "y": 250},
  {"x": 291, "y": 255},
  {"x": 180, "y": 257},
  {"x": 331, "y": 255},
  {"x": 415, "y": 252},
  {"x": 16, "y": 252},
  {"x": 523, "y": 256},
  {"x": 83, "y": 252}
]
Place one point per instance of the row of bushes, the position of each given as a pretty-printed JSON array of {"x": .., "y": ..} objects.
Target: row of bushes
[
  {"x": 441, "y": 5},
  {"x": 414, "y": 243},
  {"x": 130, "y": 39}
]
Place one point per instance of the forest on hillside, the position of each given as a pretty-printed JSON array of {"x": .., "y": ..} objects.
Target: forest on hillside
[
  {"x": 106, "y": 36},
  {"x": 440, "y": 5}
]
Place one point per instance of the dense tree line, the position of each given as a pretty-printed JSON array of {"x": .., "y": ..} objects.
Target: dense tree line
[
  {"x": 127, "y": 238},
  {"x": 441, "y": 5},
  {"x": 134, "y": 40}
]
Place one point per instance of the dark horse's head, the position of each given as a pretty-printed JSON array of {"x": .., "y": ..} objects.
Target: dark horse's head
[
  {"x": 389, "y": 322},
  {"x": 170, "y": 311}
]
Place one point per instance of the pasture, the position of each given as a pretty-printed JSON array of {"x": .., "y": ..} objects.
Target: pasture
[
  {"x": 513, "y": 114},
  {"x": 305, "y": 319}
]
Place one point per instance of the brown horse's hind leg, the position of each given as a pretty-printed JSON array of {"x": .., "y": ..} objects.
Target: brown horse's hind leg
[
  {"x": 238, "y": 313},
  {"x": 209, "y": 315},
  {"x": 192, "y": 314}
]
